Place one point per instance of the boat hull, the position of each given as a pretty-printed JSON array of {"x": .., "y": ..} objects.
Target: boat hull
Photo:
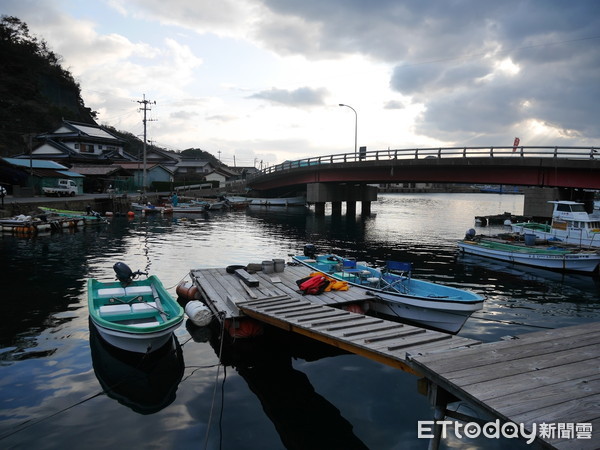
[
  {"x": 577, "y": 262},
  {"x": 437, "y": 306},
  {"x": 139, "y": 317}
]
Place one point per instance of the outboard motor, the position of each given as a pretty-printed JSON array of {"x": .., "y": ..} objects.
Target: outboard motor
[
  {"x": 470, "y": 234},
  {"x": 124, "y": 273},
  {"x": 310, "y": 251}
]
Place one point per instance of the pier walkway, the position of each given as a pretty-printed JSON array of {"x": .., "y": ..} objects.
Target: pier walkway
[{"x": 549, "y": 381}]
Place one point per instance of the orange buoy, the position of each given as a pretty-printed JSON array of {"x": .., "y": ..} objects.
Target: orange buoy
[
  {"x": 187, "y": 291},
  {"x": 243, "y": 328},
  {"x": 355, "y": 308},
  {"x": 130, "y": 214}
]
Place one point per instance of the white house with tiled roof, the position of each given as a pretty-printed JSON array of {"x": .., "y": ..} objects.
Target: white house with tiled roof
[{"x": 76, "y": 141}]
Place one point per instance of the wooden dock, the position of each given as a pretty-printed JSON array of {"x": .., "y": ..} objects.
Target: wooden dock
[
  {"x": 279, "y": 303},
  {"x": 549, "y": 377}
]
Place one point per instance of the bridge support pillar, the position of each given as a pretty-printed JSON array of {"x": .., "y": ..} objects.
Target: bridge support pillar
[
  {"x": 336, "y": 208},
  {"x": 350, "y": 208},
  {"x": 366, "y": 208},
  {"x": 340, "y": 192},
  {"x": 320, "y": 208}
]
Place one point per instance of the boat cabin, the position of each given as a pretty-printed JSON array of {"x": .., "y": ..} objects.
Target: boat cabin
[{"x": 568, "y": 214}]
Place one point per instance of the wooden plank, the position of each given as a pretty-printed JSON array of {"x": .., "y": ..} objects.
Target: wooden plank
[
  {"x": 249, "y": 291},
  {"x": 248, "y": 279},
  {"x": 523, "y": 365},
  {"x": 543, "y": 396},
  {"x": 551, "y": 340}
]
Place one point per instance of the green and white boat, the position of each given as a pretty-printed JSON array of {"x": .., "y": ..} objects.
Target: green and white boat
[
  {"x": 138, "y": 316},
  {"x": 556, "y": 256},
  {"x": 88, "y": 217}
]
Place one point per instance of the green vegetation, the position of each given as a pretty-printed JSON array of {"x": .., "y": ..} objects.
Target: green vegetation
[{"x": 36, "y": 94}]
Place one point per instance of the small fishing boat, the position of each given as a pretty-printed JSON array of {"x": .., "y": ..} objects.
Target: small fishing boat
[
  {"x": 570, "y": 224},
  {"x": 283, "y": 201},
  {"x": 133, "y": 315},
  {"x": 88, "y": 216},
  {"x": 149, "y": 208},
  {"x": 397, "y": 294},
  {"x": 510, "y": 248}
]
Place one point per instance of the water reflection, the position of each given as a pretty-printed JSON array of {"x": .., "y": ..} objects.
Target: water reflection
[
  {"x": 144, "y": 383},
  {"x": 303, "y": 418}
]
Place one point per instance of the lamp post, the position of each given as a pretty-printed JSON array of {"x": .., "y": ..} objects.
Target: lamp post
[{"x": 355, "y": 126}]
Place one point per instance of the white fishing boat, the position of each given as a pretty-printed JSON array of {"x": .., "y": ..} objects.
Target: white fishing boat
[
  {"x": 552, "y": 257},
  {"x": 570, "y": 224},
  {"x": 283, "y": 201},
  {"x": 138, "y": 316},
  {"x": 396, "y": 293}
]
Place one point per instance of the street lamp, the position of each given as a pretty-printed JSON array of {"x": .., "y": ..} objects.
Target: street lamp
[{"x": 355, "y": 126}]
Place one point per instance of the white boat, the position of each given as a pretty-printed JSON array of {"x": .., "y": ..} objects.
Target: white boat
[
  {"x": 149, "y": 208},
  {"x": 396, "y": 294},
  {"x": 284, "y": 201},
  {"x": 553, "y": 257},
  {"x": 570, "y": 224},
  {"x": 138, "y": 316}
]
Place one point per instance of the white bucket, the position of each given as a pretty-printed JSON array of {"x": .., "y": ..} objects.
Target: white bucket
[
  {"x": 268, "y": 267},
  {"x": 198, "y": 313},
  {"x": 279, "y": 265}
]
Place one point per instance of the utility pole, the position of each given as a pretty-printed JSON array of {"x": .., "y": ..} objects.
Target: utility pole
[
  {"x": 219, "y": 152},
  {"x": 145, "y": 108}
]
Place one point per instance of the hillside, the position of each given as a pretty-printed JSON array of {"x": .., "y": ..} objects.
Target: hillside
[
  {"x": 36, "y": 94},
  {"x": 35, "y": 91}
]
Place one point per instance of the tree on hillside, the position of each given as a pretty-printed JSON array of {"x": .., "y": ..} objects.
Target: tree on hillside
[{"x": 36, "y": 93}]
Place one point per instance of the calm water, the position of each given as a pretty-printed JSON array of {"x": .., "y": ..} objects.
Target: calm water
[{"x": 60, "y": 387}]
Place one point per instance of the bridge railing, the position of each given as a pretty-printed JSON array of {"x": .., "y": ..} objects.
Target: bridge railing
[{"x": 441, "y": 152}]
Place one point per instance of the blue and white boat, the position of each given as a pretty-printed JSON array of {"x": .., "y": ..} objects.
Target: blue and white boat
[{"x": 396, "y": 294}]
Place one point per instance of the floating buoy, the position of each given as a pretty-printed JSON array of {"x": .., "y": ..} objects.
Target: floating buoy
[
  {"x": 243, "y": 328},
  {"x": 355, "y": 308},
  {"x": 108, "y": 213},
  {"x": 188, "y": 291},
  {"x": 198, "y": 313}
]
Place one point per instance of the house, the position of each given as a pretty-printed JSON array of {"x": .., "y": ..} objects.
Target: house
[
  {"x": 222, "y": 175},
  {"x": 102, "y": 178},
  {"x": 192, "y": 169},
  {"x": 154, "y": 173},
  {"x": 80, "y": 142},
  {"x": 29, "y": 176}
]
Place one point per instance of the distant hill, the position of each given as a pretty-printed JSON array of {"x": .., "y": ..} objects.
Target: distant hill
[{"x": 36, "y": 94}]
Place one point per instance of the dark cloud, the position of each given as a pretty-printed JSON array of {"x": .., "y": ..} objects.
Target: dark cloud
[
  {"x": 446, "y": 55},
  {"x": 304, "y": 96}
]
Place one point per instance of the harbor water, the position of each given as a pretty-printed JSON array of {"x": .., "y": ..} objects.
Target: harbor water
[{"x": 62, "y": 387}]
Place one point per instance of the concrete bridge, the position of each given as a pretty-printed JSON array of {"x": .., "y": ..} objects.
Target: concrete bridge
[{"x": 346, "y": 177}]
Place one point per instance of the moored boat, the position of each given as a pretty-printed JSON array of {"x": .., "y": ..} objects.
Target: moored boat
[
  {"x": 397, "y": 294},
  {"x": 570, "y": 224},
  {"x": 552, "y": 257},
  {"x": 283, "y": 201},
  {"x": 133, "y": 315},
  {"x": 88, "y": 217}
]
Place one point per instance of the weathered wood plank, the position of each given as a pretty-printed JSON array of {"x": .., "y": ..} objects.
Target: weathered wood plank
[
  {"x": 530, "y": 363},
  {"x": 548, "y": 341}
]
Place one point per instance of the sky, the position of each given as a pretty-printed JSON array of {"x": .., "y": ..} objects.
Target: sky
[{"x": 258, "y": 82}]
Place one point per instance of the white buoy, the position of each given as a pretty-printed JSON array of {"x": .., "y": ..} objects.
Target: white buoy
[{"x": 198, "y": 313}]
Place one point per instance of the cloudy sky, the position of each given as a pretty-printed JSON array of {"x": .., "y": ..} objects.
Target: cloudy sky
[{"x": 261, "y": 80}]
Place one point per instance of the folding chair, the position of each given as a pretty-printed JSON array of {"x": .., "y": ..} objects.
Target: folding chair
[
  {"x": 403, "y": 270},
  {"x": 349, "y": 267}
]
